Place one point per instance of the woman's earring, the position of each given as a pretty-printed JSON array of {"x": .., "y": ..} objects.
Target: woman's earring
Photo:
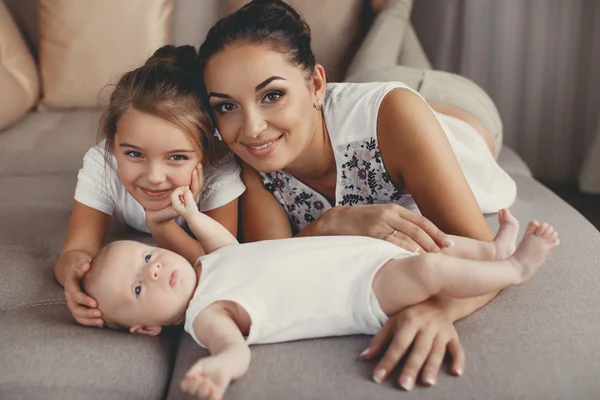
[
  {"x": 218, "y": 135},
  {"x": 317, "y": 104}
]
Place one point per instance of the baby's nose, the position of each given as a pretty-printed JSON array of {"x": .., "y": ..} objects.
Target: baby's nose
[{"x": 155, "y": 270}]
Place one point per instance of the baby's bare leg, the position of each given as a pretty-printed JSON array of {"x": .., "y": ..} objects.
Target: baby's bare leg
[
  {"x": 502, "y": 247},
  {"x": 407, "y": 281}
]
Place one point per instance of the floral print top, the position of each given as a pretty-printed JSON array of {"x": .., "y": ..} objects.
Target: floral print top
[{"x": 361, "y": 179}]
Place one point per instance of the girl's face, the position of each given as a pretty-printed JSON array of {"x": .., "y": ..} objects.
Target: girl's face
[
  {"x": 262, "y": 104},
  {"x": 154, "y": 157}
]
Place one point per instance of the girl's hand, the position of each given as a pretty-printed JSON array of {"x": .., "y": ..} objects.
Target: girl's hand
[
  {"x": 154, "y": 218},
  {"x": 428, "y": 329},
  {"x": 83, "y": 307},
  {"x": 182, "y": 201},
  {"x": 390, "y": 222}
]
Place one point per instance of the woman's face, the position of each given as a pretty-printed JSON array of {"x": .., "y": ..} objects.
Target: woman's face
[
  {"x": 154, "y": 157},
  {"x": 262, "y": 104}
]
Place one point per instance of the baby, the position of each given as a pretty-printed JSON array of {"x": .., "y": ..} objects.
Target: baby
[{"x": 291, "y": 289}]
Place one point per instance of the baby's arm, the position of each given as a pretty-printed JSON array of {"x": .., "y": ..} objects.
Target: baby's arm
[
  {"x": 229, "y": 359},
  {"x": 211, "y": 235}
]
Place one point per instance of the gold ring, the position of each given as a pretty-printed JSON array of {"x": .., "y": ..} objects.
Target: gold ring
[{"x": 393, "y": 233}]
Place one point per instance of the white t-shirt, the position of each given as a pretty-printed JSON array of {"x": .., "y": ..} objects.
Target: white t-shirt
[{"x": 99, "y": 187}]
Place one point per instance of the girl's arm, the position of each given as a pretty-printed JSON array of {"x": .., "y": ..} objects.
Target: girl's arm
[
  {"x": 87, "y": 229},
  {"x": 171, "y": 236},
  {"x": 230, "y": 355}
]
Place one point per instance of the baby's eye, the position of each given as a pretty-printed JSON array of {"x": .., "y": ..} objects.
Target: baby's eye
[
  {"x": 147, "y": 257},
  {"x": 137, "y": 289},
  {"x": 179, "y": 157}
]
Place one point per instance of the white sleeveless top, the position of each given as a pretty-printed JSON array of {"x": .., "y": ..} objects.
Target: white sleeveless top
[
  {"x": 99, "y": 187},
  {"x": 350, "y": 111},
  {"x": 297, "y": 288}
]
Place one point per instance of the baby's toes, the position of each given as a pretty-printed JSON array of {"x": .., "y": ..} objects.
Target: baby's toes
[
  {"x": 532, "y": 226},
  {"x": 204, "y": 388}
]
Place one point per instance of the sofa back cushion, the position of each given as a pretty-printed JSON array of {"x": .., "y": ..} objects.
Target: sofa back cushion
[
  {"x": 19, "y": 87},
  {"x": 86, "y": 44}
]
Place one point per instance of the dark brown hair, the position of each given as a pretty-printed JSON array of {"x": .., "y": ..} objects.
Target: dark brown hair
[
  {"x": 168, "y": 86},
  {"x": 271, "y": 22}
]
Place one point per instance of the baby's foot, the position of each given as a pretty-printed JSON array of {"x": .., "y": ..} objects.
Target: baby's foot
[
  {"x": 505, "y": 242},
  {"x": 534, "y": 249}
]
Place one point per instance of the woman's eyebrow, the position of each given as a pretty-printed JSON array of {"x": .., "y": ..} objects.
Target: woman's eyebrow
[{"x": 258, "y": 87}]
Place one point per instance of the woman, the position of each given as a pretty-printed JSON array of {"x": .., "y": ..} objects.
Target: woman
[{"x": 349, "y": 159}]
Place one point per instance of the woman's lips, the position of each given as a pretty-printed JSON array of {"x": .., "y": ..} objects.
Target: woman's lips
[{"x": 264, "y": 148}]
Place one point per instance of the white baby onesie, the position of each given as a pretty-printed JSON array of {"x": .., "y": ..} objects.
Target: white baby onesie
[{"x": 297, "y": 288}]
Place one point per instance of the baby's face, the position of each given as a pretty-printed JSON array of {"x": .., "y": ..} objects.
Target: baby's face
[{"x": 143, "y": 286}]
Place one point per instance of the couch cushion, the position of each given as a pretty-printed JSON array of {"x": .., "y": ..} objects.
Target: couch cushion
[
  {"x": 512, "y": 163},
  {"x": 45, "y": 353},
  {"x": 537, "y": 341},
  {"x": 84, "y": 45},
  {"x": 18, "y": 73},
  {"x": 48, "y": 143},
  {"x": 335, "y": 29}
]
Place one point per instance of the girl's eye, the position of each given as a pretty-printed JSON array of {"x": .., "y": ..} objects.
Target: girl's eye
[
  {"x": 134, "y": 154},
  {"x": 179, "y": 157},
  {"x": 272, "y": 97},
  {"x": 137, "y": 289},
  {"x": 225, "y": 108},
  {"x": 147, "y": 258}
]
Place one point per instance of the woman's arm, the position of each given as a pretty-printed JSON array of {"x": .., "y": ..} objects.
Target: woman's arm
[
  {"x": 416, "y": 152},
  {"x": 264, "y": 218},
  {"x": 171, "y": 236},
  {"x": 87, "y": 229}
]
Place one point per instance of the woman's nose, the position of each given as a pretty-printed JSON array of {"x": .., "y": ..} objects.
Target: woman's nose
[{"x": 254, "y": 124}]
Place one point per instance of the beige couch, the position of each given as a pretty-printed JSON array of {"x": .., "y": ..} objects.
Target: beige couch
[{"x": 534, "y": 342}]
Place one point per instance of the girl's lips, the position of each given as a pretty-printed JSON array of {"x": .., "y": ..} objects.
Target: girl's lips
[
  {"x": 153, "y": 193},
  {"x": 173, "y": 279},
  {"x": 264, "y": 149}
]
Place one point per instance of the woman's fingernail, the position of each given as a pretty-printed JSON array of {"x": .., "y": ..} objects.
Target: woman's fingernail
[
  {"x": 429, "y": 380},
  {"x": 407, "y": 383},
  {"x": 447, "y": 242},
  {"x": 416, "y": 250},
  {"x": 379, "y": 375},
  {"x": 459, "y": 371},
  {"x": 364, "y": 352}
]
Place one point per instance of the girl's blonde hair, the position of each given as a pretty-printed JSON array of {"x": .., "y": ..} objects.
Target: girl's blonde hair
[{"x": 168, "y": 86}]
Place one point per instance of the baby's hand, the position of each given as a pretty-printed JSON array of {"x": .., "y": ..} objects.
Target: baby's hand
[
  {"x": 207, "y": 379},
  {"x": 182, "y": 200}
]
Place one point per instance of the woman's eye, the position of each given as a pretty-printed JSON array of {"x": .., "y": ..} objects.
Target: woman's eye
[
  {"x": 134, "y": 154},
  {"x": 137, "y": 288},
  {"x": 147, "y": 258},
  {"x": 225, "y": 108},
  {"x": 272, "y": 97},
  {"x": 179, "y": 157}
]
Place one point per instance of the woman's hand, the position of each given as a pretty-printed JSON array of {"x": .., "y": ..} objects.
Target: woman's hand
[
  {"x": 423, "y": 333},
  {"x": 154, "y": 218},
  {"x": 390, "y": 222},
  {"x": 83, "y": 307}
]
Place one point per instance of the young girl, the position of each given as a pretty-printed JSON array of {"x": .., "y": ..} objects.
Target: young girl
[
  {"x": 156, "y": 137},
  {"x": 350, "y": 159}
]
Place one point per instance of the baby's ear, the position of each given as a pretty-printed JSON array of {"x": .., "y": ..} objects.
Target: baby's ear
[{"x": 146, "y": 330}]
